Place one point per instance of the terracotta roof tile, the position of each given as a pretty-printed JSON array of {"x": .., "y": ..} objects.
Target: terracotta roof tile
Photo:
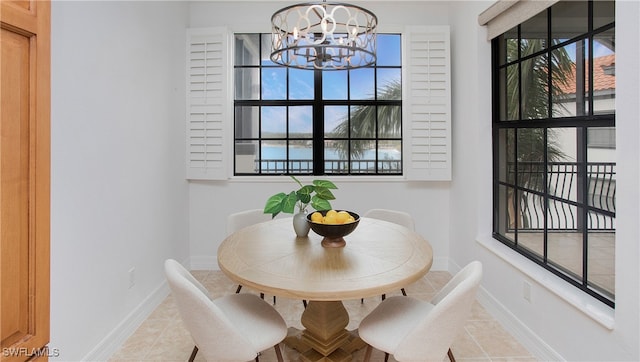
[{"x": 603, "y": 75}]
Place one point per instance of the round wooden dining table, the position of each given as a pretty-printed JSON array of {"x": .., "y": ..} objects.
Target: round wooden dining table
[{"x": 379, "y": 257}]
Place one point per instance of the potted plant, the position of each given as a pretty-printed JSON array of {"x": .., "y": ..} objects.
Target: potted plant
[{"x": 317, "y": 194}]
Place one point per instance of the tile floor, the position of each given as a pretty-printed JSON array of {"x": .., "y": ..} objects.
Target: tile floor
[{"x": 162, "y": 337}]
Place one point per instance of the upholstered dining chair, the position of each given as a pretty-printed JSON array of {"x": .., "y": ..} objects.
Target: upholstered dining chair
[
  {"x": 396, "y": 217},
  {"x": 242, "y": 219},
  {"x": 415, "y": 330},
  {"x": 235, "y": 327}
]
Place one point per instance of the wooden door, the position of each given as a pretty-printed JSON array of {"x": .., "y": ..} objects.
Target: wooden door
[{"x": 24, "y": 179}]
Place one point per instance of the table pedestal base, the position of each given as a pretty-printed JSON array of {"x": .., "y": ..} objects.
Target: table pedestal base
[{"x": 325, "y": 337}]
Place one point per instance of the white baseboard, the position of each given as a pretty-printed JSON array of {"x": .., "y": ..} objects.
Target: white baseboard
[
  {"x": 538, "y": 348},
  {"x": 529, "y": 340},
  {"x": 114, "y": 340}
]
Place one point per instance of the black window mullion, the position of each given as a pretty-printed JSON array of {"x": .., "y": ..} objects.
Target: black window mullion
[
  {"x": 585, "y": 185},
  {"x": 318, "y": 125}
]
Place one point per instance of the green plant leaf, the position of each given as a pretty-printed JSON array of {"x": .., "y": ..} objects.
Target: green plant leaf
[
  {"x": 324, "y": 193},
  {"x": 289, "y": 203},
  {"x": 320, "y": 204},
  {"x": 274, "y": 204},
  {"x": 326, "y": 184},
  {"x": 304, "y": 194},
  {"x": 316, "y": 194}
]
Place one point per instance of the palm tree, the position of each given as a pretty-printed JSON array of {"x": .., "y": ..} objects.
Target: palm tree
[
  {"x": 363, "y": 123},
  {"x": 534, "y": 104}
]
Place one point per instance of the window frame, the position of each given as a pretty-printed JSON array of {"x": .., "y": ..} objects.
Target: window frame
[
  {"x": 317, "y": 104},
  {"x": 581, "y": 123}
]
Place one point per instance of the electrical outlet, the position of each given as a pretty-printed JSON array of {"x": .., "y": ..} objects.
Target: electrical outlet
[
  {"x": 132, "y": 277},
  {"x": 526, "y": 291}
]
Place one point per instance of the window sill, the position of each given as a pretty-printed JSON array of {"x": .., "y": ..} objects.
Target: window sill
[
  {"x": 594, "y": 309},
  {"x": 305, "y": 178}
]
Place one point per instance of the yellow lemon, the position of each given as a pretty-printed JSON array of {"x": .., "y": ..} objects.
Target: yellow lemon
[
  {"x": 331, "y": 213},
  {"x": 342, "y": 217},
  {"x": 330, "y": 219},
  {"x": 350, "y": 219},
  {"x": 317, "y": 217}
]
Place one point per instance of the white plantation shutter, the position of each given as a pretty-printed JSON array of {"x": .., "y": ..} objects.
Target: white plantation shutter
[
  {"x": 208, "y": 117},
  {"x": 427, "y": 103}
]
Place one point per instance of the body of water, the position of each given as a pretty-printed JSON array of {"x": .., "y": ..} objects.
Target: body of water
[{"x": 303, "y": 153}]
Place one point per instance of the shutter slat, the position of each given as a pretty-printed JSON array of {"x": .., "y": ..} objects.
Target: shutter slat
[
  {"x": 428, "y": 110},
  {"x": 207, "y": 66}
]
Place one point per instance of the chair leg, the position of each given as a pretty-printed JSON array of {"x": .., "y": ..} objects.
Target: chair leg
[
  {"x": 361, "y": 300},
  {"x": 386, "y": 357},
  {"x": 262, "y": 295},
  {"x": 384, "y": 296},
  {"x": 450, "y": 354},
  {"x": 304, "y": 302},
  {"x": 238, "y": 290},
  {"x": 403, "y": 292},
  {"x": 193, "y": 353},
  {"x": 367, "y": 353},
  {"x": 278, "y": 353},
  {"x": 274, "y": 300}
]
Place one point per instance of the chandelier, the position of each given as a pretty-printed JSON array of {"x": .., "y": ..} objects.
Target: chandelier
[{"x": 324, "y": 35}]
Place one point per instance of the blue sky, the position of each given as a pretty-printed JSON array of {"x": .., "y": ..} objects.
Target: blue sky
[{"x": 301, "y": 86}]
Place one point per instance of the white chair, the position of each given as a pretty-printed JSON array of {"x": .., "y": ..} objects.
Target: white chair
[
  {"x": 415, "y": 330},
  {"x": 242, "y": 219},
  {"x": 396, "y": 217},
  {"x": 236, "y": 327}
]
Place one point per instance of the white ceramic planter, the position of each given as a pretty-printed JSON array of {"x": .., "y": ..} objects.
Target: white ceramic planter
[{"x": 300, "y": 224}]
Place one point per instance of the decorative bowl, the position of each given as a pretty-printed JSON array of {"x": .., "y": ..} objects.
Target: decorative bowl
[{"x": 334, "y": 233}]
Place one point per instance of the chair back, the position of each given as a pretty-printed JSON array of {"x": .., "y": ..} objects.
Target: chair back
[
  {"x": 397, "y": 217},
  {"x": 216, "y": 338},
  {"x": 239, "y": 220},
  {"x": 432, "y": 337}
]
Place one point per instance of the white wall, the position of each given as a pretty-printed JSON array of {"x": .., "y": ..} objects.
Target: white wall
[
  {"x": 560, "y": 322},
  {"x": 119, "y": 198}
]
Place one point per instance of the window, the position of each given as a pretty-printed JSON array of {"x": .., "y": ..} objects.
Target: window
[
  {"x": 554, "y": 145},
  {"x": 292, "y": 121},
  {"x": 218, "y": 147}
]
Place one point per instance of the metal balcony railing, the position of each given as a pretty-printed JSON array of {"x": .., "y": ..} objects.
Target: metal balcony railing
[
  {"x": 330, "y": 166},
  {"x": 566, "y": 195}
]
